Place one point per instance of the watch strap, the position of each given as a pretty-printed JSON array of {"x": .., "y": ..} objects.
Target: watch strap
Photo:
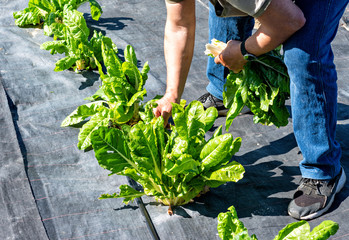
[
  {"x": 243, "y": 48},
  {"x": 248, "y": 56}
]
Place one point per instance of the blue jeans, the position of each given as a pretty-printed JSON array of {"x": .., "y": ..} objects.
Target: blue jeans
[
  {"x": 224, "y": 29},
  {"x": 309, "y": 58}
]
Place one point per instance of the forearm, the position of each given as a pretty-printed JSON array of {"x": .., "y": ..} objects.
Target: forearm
[
  {"x": 179, "y": 46},
  {"x": 280, "y": 21}
]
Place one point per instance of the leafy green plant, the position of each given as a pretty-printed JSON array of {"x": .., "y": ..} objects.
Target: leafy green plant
[
  {"x": 73, "y": 40},
  {"x": 262, "y": 86},
  {"x": 231, "y": 228},
  {"x": 118, "y": 100},
  {"x": 175, "y": 166},
  {"x": 50, "y": 11}
]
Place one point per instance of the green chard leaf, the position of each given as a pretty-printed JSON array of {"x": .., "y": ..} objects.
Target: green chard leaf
[
  {"x": 65, "y": 63},
  {"x": 130, "y": 55},
  {"x": 82, "y": 112},
  {"x": 143, "y": 145},
  {"x": 134, "y": 76},
  {"x": 323, "y": 231},
  {"x": 111, "y": 62},
  {"x": 297, "y": 230},
  {"x": 230, "y": 227},
  {"x": 96, "y": 10},
  {"x": 55, "y": 46},
  {"x": 216, "y": 152},
  {"x": 111, "y": 150},
  {"x": 76, "y": 23},
  {"x": 88, "y": 128},
  {"x": 232, "y": 172},
  {"x": 126, "y": 192},
  {"x": 28, "y": 16},
  {"x": 185, "y": 164}
]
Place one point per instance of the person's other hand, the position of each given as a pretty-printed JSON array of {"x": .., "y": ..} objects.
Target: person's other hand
[
  {"x": 231, "y": 57},
  {"x": 164, "y": 108}
]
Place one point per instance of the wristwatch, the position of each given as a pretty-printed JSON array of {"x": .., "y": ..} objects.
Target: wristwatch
[{"x": 248, "y": 56}]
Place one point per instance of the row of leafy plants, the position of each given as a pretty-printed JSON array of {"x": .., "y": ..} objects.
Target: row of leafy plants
[
  {"x": 172, "y": 165},
  {"x": 175, "y": 165}
]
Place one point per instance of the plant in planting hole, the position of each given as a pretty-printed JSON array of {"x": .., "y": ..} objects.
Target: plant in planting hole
[
  {"x": 175, "y": 166},
  {"x": 118, "y": 100},
  {"x": 51, "y": 11},
  {"x": 231, "y": 228},
  {"x": 71, "y": 37},
  {"x": 262, "y": 86}
]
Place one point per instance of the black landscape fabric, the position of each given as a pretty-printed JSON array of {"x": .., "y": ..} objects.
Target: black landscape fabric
[{"x": 49, "y": 189}]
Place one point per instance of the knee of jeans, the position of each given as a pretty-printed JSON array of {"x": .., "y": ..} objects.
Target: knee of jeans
[{"x": 297, "y": 61}]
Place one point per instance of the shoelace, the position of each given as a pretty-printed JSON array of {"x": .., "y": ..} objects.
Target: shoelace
[{"x": 313, "y": 183}]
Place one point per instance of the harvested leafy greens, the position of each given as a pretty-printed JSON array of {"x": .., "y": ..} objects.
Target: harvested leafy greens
[
  {"x": 231, "y": 228},
  {"x": 118, "y": 100},
  {"x": 175, "y": 166},
  {"x": 262, "y": 86}
]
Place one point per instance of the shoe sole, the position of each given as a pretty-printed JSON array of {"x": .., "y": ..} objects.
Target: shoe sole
[{"x": 340, "y": 185}]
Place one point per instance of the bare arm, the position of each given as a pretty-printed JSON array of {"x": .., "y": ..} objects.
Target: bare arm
[
  {"x": 179, "y": 46},
  {"x": 281, "y": 19}
]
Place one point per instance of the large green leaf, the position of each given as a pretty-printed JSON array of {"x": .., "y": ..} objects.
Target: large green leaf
[
  {"x": 65, "y": 63},
  {"x": 45, "y": 6},
  {"x": 130, "y": 55},
  {"x": 88, "y": 128},
  {"x": 184, "y": 165},
  {"x": 143, "y": 144},
  {"x": 111, "y": 62},
  {"x": 28, "y": 16},
  {"x": 236, "y": 107},
  {"x": 96, "y": 9},
  {"x": 121, "y": 114},
  {"x": 216, "y": 151},
  {"x": 111, "y": 150},
  {"x": 232, "y": 172},
  {"x": 144, "y": 73},
  {"x": 323, "y": 231},
  {"x": 297, "y": 230},
  {"x": 134, "y": 76},
  {"x": 82, "y": 112},
  {"x": 195, "y": 114},
  {"x": 209, "y": 118},
  {"x": 76, "y": 23},
  {"x": 55, "y": 46}
]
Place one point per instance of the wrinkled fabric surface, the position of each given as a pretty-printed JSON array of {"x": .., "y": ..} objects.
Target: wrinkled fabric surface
[{"x": 50, "y": 189}]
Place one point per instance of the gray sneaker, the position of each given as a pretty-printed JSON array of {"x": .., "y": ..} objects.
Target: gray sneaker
[
  {"x": 208, "y": 100},
  {"x": 314, "y": 197}
]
